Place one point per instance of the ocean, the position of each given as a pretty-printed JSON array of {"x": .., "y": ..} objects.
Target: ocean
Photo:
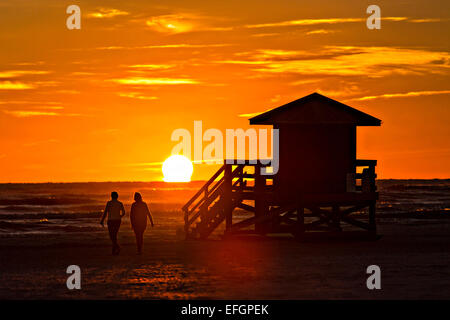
[{"x": 46, "y": 208}]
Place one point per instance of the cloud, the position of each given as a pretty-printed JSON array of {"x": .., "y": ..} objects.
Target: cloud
[
  {"x": 152, "y": 66},
  {"x": 33, "y": 108},
  {"x": 426, "y": 20},
  {"x": 162, "y": 46},
  {"x": 187, "y": 22},
  {"x": 348, "y": 61},
  {"x": 339, "y": 90},
  {"x": 242, "y": 62},
  {"x": 46, "y": 83},
  {"x": 82, "y": 73},
  {"x": 249, "y": 115},
  {"x": 18, "y": 73},
  {"x": 403, "y": 95},
  {"x": 34, "y": 63},
  {"x": 50, "y": 107},
  {"x": 172, "y": 23},
  {"x": 64, "y": 91},
  {"x": 27, "y": 113},
  {"x": 36, "y": 143},
  {"x": 303, "y": 82},
  {"x": 10, "y": 85},
  {"x": 154, "y": 81},
  {"x": 271, "y": 34},
  {"x": 28, "y": 102},
  {"x": 37, "y": 113},
  {"x": 275, "y": 99},
  {"x": 304, "y": 22},
  {"x": 186, "y": 45},
  {"x": 309, "y": 22},
  {"x": 321, "y": 31},
  {"x": 107, "y": 13},
  {"x": 136, "y": 95},
  {"x": 271, "y": 53},
  {"x": 264, "y": 56},
  {"x": 20, "y": 85},
  {"x": 184, "y": 22}
]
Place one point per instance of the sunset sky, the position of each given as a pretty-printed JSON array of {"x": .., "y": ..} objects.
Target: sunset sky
[{"x": 100, "y": 103}]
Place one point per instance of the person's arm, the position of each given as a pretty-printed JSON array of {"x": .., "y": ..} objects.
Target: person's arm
[
  {"x": 104, "y": 214},
  {"x": 123, "y": 211},
  {"x": 149, "y": 215}
]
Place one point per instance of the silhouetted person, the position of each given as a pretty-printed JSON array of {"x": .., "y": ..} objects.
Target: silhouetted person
[
  {"x": 115, "y": 211},
  {"x": 138, "y": 216}
]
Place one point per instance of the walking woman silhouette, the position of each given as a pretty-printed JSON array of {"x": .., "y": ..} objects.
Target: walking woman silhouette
[{"x": 138, "y": 216}]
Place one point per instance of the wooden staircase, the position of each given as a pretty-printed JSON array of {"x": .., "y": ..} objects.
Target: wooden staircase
[{"x": 206, "y": 210}]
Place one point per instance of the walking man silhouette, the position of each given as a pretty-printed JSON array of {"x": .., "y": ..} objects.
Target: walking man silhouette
[{"x": 115, "y": 211}]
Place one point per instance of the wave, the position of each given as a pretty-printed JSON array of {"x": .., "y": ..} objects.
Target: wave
[
  {"x": 44, "y": 226},
  {"x": 415, "y": 187},
  {"x": 45, "y": 201},
  {"x": 54, "y": 215}
]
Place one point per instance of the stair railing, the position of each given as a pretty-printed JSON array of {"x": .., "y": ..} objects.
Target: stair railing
[
  {"x": 207, "y": 194},
  {"x": 200, "y": 197}
]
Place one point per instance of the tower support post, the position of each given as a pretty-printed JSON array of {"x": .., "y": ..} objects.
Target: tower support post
[{"x": 228, "y": 185}]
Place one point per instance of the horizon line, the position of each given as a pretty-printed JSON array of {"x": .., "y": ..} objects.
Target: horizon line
[{"x": 162, "y": 181}]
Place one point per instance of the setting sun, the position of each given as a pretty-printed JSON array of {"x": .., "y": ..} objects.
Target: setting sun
[{"x": 177, "y": 168}]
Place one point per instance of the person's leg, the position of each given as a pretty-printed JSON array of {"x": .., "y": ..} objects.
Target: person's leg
[
  {"x": 139, "y": 235},
  {"x": 111, "y": 235},
  {"x": 118, "y": 226},
  {"x": 116, "y": 231},
  {"x": 113, "y": 228},
  {"x": 136, "y": 233},
  {"x": 141, "y": 241},
  {"x": 141, "y": 238}
]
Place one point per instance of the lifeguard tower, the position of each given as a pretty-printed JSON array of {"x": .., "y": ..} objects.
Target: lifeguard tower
[{"x": 320, "y": 186}]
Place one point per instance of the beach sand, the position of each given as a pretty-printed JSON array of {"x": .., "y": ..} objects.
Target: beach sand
[{"x": 413, "y": 257}]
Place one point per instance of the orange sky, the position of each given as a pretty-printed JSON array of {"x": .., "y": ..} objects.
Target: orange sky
[{"x": 100, "y": 103}]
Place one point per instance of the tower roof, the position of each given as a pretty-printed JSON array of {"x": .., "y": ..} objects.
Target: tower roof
[{"x": 315, "y": 109}]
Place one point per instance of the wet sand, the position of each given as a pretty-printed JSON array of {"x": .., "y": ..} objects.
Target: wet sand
[{"x": 413, "y": 257}]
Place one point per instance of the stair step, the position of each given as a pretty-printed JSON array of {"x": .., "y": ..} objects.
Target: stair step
[{"x": 210, "y": 208}]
